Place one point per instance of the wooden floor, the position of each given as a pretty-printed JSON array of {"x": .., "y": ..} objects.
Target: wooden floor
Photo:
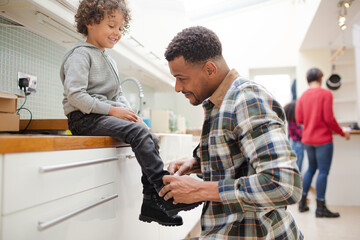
[{"x": 346, "y": 227}]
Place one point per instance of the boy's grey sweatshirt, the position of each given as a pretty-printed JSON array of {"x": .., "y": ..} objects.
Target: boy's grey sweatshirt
[{"x": 91, "y": 81}]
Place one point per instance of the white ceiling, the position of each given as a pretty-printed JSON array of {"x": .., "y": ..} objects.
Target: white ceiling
[
  {"x": 199, "y": 10},
  {"x": 324, "y": 31}
]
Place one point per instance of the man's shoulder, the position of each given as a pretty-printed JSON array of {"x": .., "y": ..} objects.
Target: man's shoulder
[{"x": 245, "y": 88}]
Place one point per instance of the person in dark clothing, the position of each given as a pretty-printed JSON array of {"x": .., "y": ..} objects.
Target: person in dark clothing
[{"x": 295, "y": 133}]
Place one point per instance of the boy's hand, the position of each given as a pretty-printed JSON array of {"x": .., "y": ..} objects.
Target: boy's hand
[
  {"x": 123, "y": 113},
  {"x": 142, "y": 122}
]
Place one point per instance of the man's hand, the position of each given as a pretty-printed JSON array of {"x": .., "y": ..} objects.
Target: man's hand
[
  {"x": 185, "y": 189},
  {"x": 123, "y": 113},
  {"x": 183, "y": 167}
]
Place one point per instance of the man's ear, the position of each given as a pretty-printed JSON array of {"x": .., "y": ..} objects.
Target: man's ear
[{"x": 210, "y": 68}]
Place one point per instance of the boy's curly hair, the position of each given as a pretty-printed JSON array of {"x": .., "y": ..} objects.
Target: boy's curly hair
[
  {"x": 93, "y": 11},
  {"x": 195, "y": 44}
]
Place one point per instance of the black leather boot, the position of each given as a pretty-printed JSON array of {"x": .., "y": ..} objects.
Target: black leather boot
[
  {"x": 170, "y": 208},
  {"x": 303, "y": 207},
  {"x": 151, "y": 211},
  {"x": 322, "y": 211}
]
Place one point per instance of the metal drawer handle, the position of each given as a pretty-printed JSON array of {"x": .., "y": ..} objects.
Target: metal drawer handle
[
  {"x": 45, "y": 169},
  {"x": 130, "y": 156},
  {"x": 44, "y": 225}
]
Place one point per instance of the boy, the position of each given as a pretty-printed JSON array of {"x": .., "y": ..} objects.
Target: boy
[{"x": 94, "y": 105}]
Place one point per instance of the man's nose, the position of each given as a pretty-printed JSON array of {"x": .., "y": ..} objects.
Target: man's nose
[{"x": 178, "y": 86}]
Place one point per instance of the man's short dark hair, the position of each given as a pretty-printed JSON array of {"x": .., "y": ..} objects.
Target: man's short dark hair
[
  {"x": 313, "y": 74},
  {"x": 195, "y": 44}
]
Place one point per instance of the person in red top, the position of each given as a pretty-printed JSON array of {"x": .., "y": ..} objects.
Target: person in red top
[{"x": 314, "y": 110}]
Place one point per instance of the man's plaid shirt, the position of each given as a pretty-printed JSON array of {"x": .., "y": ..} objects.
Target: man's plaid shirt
[{"x": 244, "y": 147}]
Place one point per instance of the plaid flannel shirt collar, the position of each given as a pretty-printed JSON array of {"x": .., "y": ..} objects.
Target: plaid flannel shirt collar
[{"x": 218, "y": 96}]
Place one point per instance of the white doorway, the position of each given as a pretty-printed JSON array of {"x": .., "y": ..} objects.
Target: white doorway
[{"x": 277, "y": 81}]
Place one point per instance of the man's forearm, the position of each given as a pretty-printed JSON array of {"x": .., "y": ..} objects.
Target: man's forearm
[{"x": 209, "y": 191}]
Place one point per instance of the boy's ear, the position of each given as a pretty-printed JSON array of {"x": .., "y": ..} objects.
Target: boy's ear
[{"x": 90, "y": 25}]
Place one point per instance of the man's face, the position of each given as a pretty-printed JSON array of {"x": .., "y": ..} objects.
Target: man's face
[{"x": 191, "y": 79}]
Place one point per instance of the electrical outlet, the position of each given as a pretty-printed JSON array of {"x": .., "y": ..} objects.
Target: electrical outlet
[{"x": 27, "y": 82}]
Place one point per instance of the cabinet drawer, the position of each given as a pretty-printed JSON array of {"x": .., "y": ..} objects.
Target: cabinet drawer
[
  {"x": 34, "y": 178},
  {"x": 91, "y": 214}
]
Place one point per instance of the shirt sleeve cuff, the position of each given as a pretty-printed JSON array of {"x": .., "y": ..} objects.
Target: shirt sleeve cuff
[
  {"x": 229, "y": 197},
  {"x": 195, "y": 154},
  {"x": 102, "y": 108}
]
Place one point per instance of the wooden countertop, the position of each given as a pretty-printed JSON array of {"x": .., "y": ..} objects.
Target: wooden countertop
[
  {"x": 355, "y": 132},
  {"x": 16, "y": 143}
]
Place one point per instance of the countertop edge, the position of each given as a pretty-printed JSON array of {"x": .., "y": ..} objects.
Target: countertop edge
[{"x": 16, "y": 143}]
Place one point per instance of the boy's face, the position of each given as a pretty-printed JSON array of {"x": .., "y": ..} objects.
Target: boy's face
[
  {"x": 191, "y": 79},
  {"x": 108, "y": 32}
]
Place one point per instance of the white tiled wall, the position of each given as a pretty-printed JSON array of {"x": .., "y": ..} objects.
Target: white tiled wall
[{"x": 24, "y": 51}]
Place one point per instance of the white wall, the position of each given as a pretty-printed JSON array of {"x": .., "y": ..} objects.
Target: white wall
[
  {"x": 356, "y": 42},
  {"x": 154, "y": 23},
  {"x": 262, "y": 36},
  {"x": 308, "y": 59}
]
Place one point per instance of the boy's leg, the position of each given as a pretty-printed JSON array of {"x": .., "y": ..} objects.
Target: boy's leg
[
  {"x": 143, "y": 143},
  {"x": 135, "y": 134}
]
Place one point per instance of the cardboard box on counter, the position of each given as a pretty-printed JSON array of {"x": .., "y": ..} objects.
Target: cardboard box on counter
[
  {"x": 8, "y": 102},
  {"x": 9, "y": 119},
  {"x": 9, "y": 122}
]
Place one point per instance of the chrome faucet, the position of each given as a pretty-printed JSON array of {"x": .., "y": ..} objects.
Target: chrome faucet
[{"x": 140, "y": 95}]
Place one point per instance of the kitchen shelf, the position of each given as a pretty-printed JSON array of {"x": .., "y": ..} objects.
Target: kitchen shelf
[{"x": 345, "y": 100}]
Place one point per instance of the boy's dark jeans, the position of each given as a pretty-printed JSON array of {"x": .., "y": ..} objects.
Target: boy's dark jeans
[{"x": 143, "y": 143}]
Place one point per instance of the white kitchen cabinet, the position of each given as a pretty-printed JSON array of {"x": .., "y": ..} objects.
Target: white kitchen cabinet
[
  {"x": 98, "y": 222},
  {"x": 79, "y": 194},
  {"x": 172, "y": 147},
  {"x": 1, "y": 184},
  {"x": 73, "y": 190},
  {"x": 344, "y": 172},
  {"x": 47, "y": 176},
  {"x": 175, "y": 146}
]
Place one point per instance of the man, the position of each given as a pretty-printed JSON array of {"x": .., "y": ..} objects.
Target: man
[{"x": 248, "y": 167}]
